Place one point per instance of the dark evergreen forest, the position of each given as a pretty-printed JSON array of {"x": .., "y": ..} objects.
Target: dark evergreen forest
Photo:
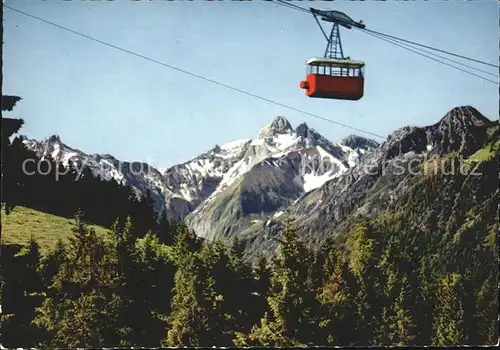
[{"x": 396, "y": 279}]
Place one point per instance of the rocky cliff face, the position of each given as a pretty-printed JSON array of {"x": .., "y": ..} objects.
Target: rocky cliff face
[
  {"x": 182, "y": 188},
  {"x": 385, "y": 175},
  {"x": 277, "y": 167},
  {"x": 242, "y": 188}
]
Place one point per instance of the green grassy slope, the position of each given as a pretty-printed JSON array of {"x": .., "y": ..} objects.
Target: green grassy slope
[{"x": 22, "y": 222}]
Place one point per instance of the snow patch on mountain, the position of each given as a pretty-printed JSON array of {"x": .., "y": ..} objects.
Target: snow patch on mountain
[
  {"x": 327, "y": 169},
  {"x": 234, "y": 145},
  {"x": 312, "y": 181},
  {"x": 183, "y": 187},
  {"x": 276, "y": 168}
]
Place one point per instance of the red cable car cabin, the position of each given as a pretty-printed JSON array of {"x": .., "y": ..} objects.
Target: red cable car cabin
[{"x": 341, "y": 79}]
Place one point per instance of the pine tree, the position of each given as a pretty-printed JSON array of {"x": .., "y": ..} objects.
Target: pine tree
[
  {"x": 449, "y": 313},
  {"x": 424, "y": 314},
  {"x": 486, "y": 314},
  {"x": 21, "y": 294},
  {"x": 244, "y": 307},
  {"x": 336, "y": 296},
  {"x": 402, "y": 330},
  {"x": 53, "y": 261},
  {"x": 292, "y": 305},
  {"x": 187, "y": 320},
  {"x": 11, "y": 161},
  {"x": 220, "y": 305},
  {"x": 365, "y": 246},
  {"x": 152, "y": 283},
  {"x": 82, "y": 306},
  {"x": 320, "y": 260},
  {"x": 122, "y": 245},
  {"x": 262, "y": 277},
  {"x": 31, "y": 255},
  {"x": 165, "y": 230}
]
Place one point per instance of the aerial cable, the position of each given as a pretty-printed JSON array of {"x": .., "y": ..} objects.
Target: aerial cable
[
  {"x": 431, "y": 48},
  {"x": 290, "y": 5},
  {"x": 195, "y": 75},
  {"x": 405, "y": 46},
  {"x": 445, "y": 58},
  {"x": 432, "y": 58},
  {"x": 299, "y": 8}
]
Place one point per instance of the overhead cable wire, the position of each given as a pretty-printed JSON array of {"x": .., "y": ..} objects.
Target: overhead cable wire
[
  {"x": 289, "y": 5},
  {"x": 449, "y": 59},
  {"x": 432, "y": 58},
  {"x": 299, "y": 8},
  {"x": 431, "y": 48},
  {"x": 194, "y": 75}
]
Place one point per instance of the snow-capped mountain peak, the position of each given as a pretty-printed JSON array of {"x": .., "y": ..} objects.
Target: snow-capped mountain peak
[
  {"x": 140, "y": 176},
  {"x": 53, "y": 138},
  {"x": 184, "y": 187},
  {"x": 280, "y": 125},
  {"x": 284, "y": 160}
]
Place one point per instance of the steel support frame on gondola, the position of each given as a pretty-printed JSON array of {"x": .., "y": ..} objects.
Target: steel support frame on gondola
[{"x": 334, "y": 46}]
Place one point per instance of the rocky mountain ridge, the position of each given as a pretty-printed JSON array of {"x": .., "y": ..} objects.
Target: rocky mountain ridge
[
  {"x": 180, "y": 189},
  {"x": 385, "y": 175},
  {"x": 242, "y": 188}
]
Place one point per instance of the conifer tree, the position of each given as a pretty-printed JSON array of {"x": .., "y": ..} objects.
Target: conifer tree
[
  {"x": 21, "y": 294},
  {"x": 10, "y": 163},
  {"x": 122, "y": 244},
  {"x": 239, "y": 287},
  {"x": 219, "y": 302},
  {"x": 486, "y": 314},
  {"x": 336, "y": 296},
  {"x": 291, "y": 321},
  {"x": 262, "y": 277},
  {"x": 82, "y": 306},
  {"x": 152, "y": 283},
  {"x": 424, "y": 314},
  {"x": 402, "y": 330},
  {"x": 449, "y": 313},
  {"x": 364, "y": 248},
  {"x": 53, "y": 261},
  {"x": 164, "y": 230},
  {"x": 187, "y": 320},
  {"x": 31, "y": 256}
]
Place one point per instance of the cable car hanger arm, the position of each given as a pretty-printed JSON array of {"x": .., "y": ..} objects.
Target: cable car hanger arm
[{"x": 321, "y": 27}]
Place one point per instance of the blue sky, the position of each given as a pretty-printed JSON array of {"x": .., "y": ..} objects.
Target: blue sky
[{"x": 101, "y": 100}]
